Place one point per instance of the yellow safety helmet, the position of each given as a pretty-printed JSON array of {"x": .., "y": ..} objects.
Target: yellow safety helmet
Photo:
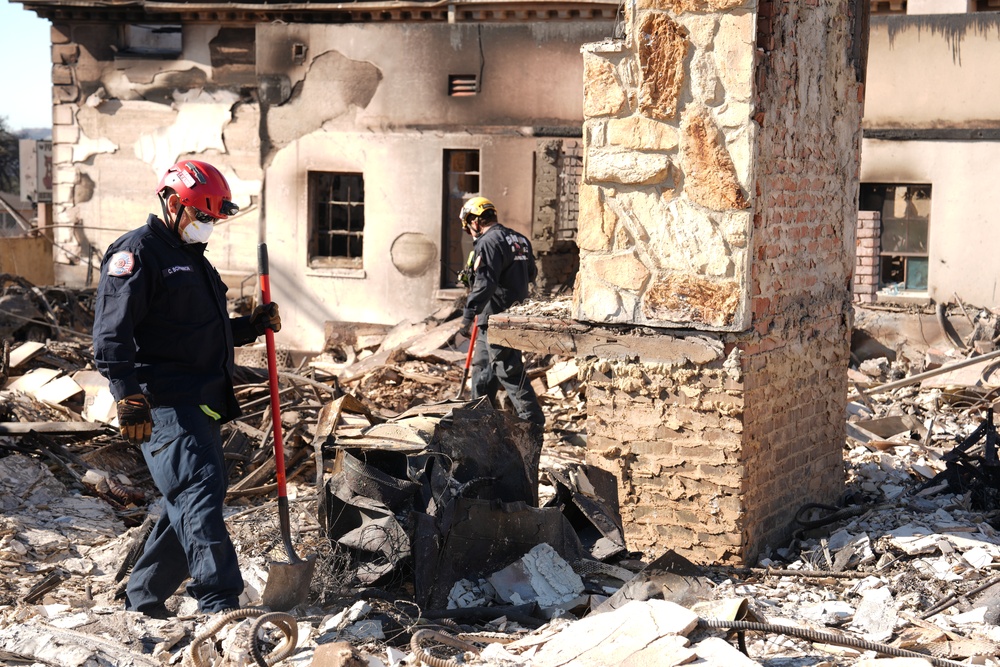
[{"x": 475, "y": 206}]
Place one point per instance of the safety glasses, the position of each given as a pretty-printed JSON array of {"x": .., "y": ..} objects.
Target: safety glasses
[{"x": 201, "y": 216}]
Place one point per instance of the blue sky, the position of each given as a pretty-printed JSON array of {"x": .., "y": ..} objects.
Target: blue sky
[{"x": 25, "y": 68}]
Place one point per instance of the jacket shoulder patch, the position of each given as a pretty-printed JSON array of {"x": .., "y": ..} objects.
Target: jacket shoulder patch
[{"x": 121, "y": 264}]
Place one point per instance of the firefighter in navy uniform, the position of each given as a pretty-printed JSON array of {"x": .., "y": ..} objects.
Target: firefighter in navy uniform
[
  {"x": 164, "y": 340},
  {"x": 502, "y": 268}
]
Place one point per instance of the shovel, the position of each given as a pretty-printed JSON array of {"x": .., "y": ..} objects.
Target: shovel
[
  {"x": 468, "y": 358},
  {"x": 287, "y": 583}
]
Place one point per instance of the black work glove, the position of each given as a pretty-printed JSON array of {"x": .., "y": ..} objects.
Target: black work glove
[
  {"x": 466, "y": 329},
  {"x": 135, "y": 423},
  {"x": 265, "y": 317}
]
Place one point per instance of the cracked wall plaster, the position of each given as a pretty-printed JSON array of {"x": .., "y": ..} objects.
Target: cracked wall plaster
[
  {"x": 86, "y": 148},
  {"x": 201, "y": 118},
  {"x": 334, "y": 87}
]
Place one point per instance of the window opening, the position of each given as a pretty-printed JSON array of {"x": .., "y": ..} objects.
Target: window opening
[
  {"x": 905, "y": 218},
  {"x": 461, "y": 183},
  {"x": 570, "y": 168},
  {"x": 337, "y": 219},
  {"x": 151, "y": 40}
]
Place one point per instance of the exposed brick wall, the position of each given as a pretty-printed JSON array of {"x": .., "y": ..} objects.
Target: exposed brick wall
[
  {"x": 796, "y": 355},
  {"x": 868, "y": 242},
  {"x": 558, "y": 170},
  {"x": 714, "y": 458},
  {"x": 671, "y": 435}
]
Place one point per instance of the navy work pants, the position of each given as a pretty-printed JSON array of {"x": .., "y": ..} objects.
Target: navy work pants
[
  {"x": 184, "y": 457},
  {"x": 494, "y": 366}
]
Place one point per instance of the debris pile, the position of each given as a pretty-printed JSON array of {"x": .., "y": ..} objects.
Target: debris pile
[{"x": 448, "y": 529}]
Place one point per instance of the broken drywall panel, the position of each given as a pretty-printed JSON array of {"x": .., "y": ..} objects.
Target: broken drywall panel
[
  {"x": 541, "y": 575},
  {"x": 201, "y": 118},
  {"x": 25, "y": 352},
  {"x": 58, "y": 390},
  {"x": 616, "y": 637},
  {"x": 33, "y": 380}
]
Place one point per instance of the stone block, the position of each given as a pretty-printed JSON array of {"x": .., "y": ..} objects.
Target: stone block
[
  {"x": 623, "y": 271},
  {"x": 641, "y": 133},
  {"x": 663, "y": 48},
  {"x": 710, "y": 175},
  {"x": 626, "y": 167},
  {"x": 596, "y": 222},
  {"x": 603, "y": 94},
  {"x": 692, "y": 298}
]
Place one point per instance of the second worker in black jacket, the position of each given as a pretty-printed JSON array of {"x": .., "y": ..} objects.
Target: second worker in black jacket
[{"x": 502, "y": 268}]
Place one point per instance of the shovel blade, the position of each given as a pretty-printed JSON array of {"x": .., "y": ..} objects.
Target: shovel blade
[{"x": 288, "y": 584}]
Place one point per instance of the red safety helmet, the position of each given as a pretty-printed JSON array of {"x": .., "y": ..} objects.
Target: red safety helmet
[{"x": 200, "y": 186}]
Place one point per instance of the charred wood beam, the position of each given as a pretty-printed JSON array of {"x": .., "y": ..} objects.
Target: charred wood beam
[
  {"x": 53, "y": 428},
  {"x": 522, "y": 614},
  {"x": 934, "y": 134},
  {"x": 573, "y": 338}
]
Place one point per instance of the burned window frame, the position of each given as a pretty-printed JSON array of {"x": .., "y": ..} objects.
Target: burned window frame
[
  {"x": 459, "y": 186},
  {"x": 336, "y": 201},
  {"x": 133, "y": 41}
]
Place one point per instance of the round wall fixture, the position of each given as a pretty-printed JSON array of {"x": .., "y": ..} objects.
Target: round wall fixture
[{"x": 413, "y": 254}]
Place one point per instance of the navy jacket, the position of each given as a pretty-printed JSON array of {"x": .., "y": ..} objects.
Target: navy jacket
[
  {"x": 161, "y": 324},
  {"x": 503, "y": 267}
]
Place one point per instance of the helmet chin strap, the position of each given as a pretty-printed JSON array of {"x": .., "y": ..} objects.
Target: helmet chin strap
[
  {"x": 177, "y": 221},
  {"x": 172, "y": 224}
]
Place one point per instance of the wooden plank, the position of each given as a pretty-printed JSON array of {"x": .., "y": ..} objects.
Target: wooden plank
[
  {"x": 25, "y": 352},
  {"x": 571, "y": 338},
  {"x": 402, "y": 334},
  {"x": 357, "y": 335},
  {"x": 59, "y": 428},
  {"x": 429, "y": 345},
  {"x": 560, "y": 372}
]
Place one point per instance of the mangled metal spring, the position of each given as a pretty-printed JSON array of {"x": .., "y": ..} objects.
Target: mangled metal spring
[
  {"x": 824, "y": 638},
  {"x": 423, "y": 657},
  {"x": 124, "y": 493},
  {"x": 284, "y": 622}
]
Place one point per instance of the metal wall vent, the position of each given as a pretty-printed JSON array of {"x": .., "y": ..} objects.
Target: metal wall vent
[{"x": 462, "y": 85}]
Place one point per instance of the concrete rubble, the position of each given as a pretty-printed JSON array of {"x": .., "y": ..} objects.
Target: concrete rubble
[{"x": 900, "y": 573}]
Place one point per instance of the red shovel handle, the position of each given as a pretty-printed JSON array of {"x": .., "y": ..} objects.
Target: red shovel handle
[
  {"x": 468, "y": 358},
  {"x": 272, "y": 373}
]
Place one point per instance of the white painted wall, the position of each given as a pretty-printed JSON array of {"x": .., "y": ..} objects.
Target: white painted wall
[
  {"x": 940, "y": 6},
  {"x": 939, "y": 72},
  {"x": 965, "y": 220},
  {"x": 933, "y": 71},
  {"x": 403, "y": 194},
  {"x": 532, "y": 77}
]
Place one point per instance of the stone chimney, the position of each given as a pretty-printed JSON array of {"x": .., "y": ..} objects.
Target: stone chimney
[{"x": 718, "y": 208}]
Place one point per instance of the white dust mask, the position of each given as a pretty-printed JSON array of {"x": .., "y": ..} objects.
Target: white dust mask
[{"x": 197, "y": 232}]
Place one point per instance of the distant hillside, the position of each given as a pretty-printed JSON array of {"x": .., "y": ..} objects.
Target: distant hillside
[{"x": 36, "y": 133}]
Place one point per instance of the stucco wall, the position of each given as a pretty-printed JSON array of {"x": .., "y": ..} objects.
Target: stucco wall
[
  {"x": 273, "y": 101},
  {"x": 402, "y": 174},
  {"x": 119, "y": 122},
  {"x": 928, "y": 71},
  {"x": 387, "y": 115},
  {"x": 929, "y": 82}
]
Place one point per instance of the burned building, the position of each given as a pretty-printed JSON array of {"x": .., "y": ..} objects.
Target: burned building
[
  {"x": 930, "y": 128},
  {"x": 351, "y": 135}
]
